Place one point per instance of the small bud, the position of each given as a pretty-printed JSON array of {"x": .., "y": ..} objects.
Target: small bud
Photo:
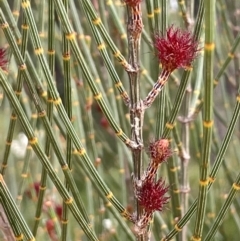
[
  {"x": 160, "y": 150},
  {"x": 104, "y": 122},
  {"x": 36, "y": 186},
  {"x": 59, "y": 210},
  {"x": 50, "y": 226}
]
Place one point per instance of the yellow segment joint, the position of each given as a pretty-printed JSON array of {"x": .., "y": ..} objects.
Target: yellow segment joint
[
  {"x": 42, "y": 188},
  {"x": 238, "y": 98},
  {"x": 150, "y": 15},
  {"x": 98, "y": 96},
  {"x": 157, "y": 10},
  {"x": 65, "y": 167},
  {"x": 42, "y": 114},
  {"x": 25, "y": 26},
  {"x": 108, "y": 204},
  {"x": 81, "y": 152},
  {"x": 177, "y": 228},
  {"x": 209, "y": 46},
  {"x": 195, "y": 238},
  {"x": 169, "y": 125},
  {"x": 119, "y": 133},
  {"x": 109, "y": 196},
  {"x": 181, "y": 2},
  {"x": 173, "y": 169},
  {"x": 176, "y": 191},
  {"x": 109, "y": 2},
  {"x": 117, "y": 54},
  {"x": 70, "y": 36},
  {"x": 211, "y": 179},
  {"x": 97, "y": 21},
  {"x": 110, "y": 90},
  {"x": 34, "y": 116},
  {"x": 50, "y": 100},
  {"x": 236, "y": 186},
  {"x": 204, "y": 182},
  {"x": 38, "y": 51},
  {"x": 20, "y": 237},
  {"x": 208, "y": 124},
  {"x": 124, "y": 213},
  {"x": 64, "y": 221},
  {"x": 69, "y": 201},
  {"x": 33, "y": 141},
  {"x": 18, "y": 92},
  {"x": 13, "y": 117},
  {"x": 215, "y": 82},
  {"x": 101, "y": 46},
  {"x": 118, "y": 84},
  {"x": 231, "y": 55},
  {"x": 57, "y": 101},
  {"x": 22, "y": 67},
  {"x": 44, "y": 94},
  {"x": 25, "y": 4},
  {"x": 15, "y": 13},
  {"x": 144, "y": 72},
  {"x": 66, "y": 56},
  {"x": 51, "y": 51}
]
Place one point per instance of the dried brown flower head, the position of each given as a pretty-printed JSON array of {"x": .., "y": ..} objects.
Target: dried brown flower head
[{"x": 160, "y": 150}]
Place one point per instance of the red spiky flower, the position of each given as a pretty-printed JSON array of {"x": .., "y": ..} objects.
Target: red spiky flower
[
  {"x": 132, "y": 3},
  {"x": 3, "y": 59},
  {"x": 151, "y": 195},
  {"x": 177, "y": 49}
]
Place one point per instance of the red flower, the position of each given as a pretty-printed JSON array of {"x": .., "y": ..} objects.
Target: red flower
[
  {"x": 151, "y": 195},
  {"x": 177, "y": 49},
  {"x": 159, "y": 150},
  {"x": 36, "y": 186},
  {"x": 132, "y": 3},
  {"x": 3, "y": 59},
  {"x": 59, "y": 210}
]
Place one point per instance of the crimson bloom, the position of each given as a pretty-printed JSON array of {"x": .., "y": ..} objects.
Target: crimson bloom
[
  {"x": 177, "y": 49},
  {"x": 151, "y": 195}
]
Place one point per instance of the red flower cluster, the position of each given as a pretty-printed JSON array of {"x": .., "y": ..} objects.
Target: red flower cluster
[
  {"x": 177, "y": 49},
  {"x": 159, "y": 150},
  {"x": 151, "y": 195},
  {"x": 132, "y": 3}
]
